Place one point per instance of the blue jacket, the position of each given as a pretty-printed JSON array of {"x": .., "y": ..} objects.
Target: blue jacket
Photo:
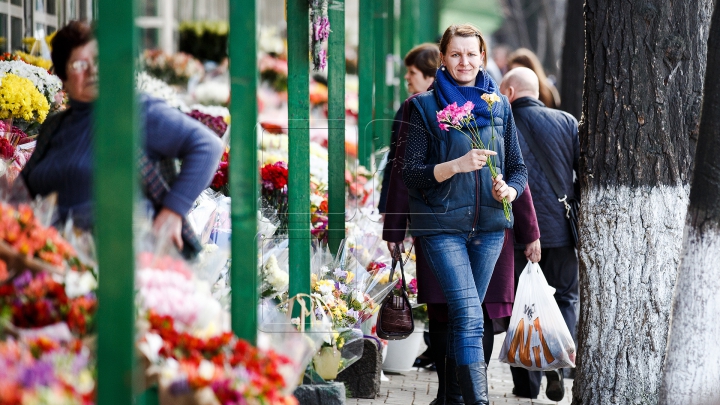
[
  {"x": 556, "y": 135},
  {"x": 464, "y": 202}
]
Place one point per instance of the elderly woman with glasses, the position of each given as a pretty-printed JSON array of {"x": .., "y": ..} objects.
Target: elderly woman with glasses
[{"x": 63, "y": 159}]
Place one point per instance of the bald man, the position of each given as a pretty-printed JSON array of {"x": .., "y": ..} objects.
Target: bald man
[{"x": 555, "y": 136}]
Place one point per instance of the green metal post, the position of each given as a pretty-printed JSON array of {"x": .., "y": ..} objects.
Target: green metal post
[
  {"x": 429, "y": 20},
  {"x": 366, "y": 74},
  {"x": 409, "y": 16},
  {"x": 381, "y": 90},
  {"x": 243, "y": 167},
  {"x": 336, "y": 124},
  {"x": 299, "y": 146},
  {"x": 116, "y": 128}
]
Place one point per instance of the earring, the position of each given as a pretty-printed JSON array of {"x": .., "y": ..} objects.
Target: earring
[{"x": 442, "y": 67}]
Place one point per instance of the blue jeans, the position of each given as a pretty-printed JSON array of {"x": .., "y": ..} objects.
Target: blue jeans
[{"x": 463, "y": 265}]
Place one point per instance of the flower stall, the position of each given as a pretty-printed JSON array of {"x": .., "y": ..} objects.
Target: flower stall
[{"x": 123, "y": 319}]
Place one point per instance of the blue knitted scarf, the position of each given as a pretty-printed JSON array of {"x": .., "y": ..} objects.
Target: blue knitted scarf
[{"x": 447, "y": 91}]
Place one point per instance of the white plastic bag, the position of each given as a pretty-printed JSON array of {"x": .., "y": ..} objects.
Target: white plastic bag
[{"x": 537, "y": 338}]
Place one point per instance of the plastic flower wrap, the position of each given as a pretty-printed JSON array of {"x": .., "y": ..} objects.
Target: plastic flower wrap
[
  {"x": 223, "y": 365},
  {"x": 20, "y": 99},
  {"x": 48, "y": 85},
  {"x": 168, "y": 287},
  {"x": 350, "y": 294}
]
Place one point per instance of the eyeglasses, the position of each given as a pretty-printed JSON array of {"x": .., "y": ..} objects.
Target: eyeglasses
[{"x": 82, "y": 65}]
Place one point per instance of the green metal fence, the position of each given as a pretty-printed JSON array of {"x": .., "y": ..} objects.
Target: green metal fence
[{"x": 116, "y": 130}]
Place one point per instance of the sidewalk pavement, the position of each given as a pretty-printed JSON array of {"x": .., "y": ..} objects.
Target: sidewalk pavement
[{"x": 419, "y": 386}]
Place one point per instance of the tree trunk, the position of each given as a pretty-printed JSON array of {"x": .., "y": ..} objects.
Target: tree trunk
[
  {"x": 572, "y": 68},
  {"x": 645, "y": 64},
  {"x": 692, "y": 365}
]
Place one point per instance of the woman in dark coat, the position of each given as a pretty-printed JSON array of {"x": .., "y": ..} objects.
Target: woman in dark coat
[
  {"x": 63, "y": 159},
  {"x": 500, "y": 296}
]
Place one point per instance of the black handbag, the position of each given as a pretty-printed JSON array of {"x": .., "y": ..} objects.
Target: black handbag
[
  {"x": 395, "y": 318},
  {"x": 572, "y": 204}
]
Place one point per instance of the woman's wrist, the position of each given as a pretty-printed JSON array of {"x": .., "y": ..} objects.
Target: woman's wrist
[{"x": 445, "y": 171}]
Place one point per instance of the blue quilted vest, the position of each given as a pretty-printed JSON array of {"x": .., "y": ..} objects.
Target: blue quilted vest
[{"x": 464, "y": 203}]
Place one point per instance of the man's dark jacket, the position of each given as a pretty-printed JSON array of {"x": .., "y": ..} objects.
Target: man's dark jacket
[{"x": 556, "y": 136}]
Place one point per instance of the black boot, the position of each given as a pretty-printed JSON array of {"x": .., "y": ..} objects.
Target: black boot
[
  {"x": 453, "y": 394},
  {"x": 438, "y": 344},
  {"x": 473, "y": 383}
]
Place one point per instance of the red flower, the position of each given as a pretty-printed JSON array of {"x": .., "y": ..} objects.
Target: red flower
[{"x": 275, "y": 174}]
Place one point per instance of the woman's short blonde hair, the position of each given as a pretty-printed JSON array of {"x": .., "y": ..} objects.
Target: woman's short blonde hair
[{"x": 465, "y": 31}]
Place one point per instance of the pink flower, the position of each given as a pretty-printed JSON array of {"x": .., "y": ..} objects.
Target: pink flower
[
  {"x": 443, "y": 127},
  {"x": 321, "y": 27},
  {"x": 323, "y": 59},
  {"x": 468, "y": 107}
]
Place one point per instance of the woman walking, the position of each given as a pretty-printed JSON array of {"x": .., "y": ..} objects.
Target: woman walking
[{"x": 456, "y": 208}]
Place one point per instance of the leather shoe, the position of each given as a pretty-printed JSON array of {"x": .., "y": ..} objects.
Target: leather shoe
[
  {"x": 555, "y": 390},
  {"x": 473, "y": 383}
]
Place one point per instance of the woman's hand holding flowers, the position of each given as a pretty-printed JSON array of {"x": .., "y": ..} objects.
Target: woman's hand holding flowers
[
  {"x": 501, "y": 190},
  {"x": 475, "y": 159}
]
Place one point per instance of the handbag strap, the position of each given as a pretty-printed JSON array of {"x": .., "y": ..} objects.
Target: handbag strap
[
  {"x": 395, "y": 261},
  {"x": 529, "y": 137}
]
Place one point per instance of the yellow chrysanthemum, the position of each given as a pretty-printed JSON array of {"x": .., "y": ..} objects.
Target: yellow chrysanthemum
[{"x": 19, "y": 98}]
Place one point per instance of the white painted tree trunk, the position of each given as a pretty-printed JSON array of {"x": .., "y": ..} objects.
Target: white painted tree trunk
[
  {"x": 630, "y": 244},
  {"x": 692, "y": 368}
]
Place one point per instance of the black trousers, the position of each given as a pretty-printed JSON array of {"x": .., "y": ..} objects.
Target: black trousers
[{"x": 560, "y": 267}]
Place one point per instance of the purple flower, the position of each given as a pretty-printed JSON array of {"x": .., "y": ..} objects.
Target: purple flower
[
  {"x": 23, "y": 279},
  {"x": 321, "y": 27},
  {"x": 339, "y": 273},
  {"x": 322, "y": 54},
  {"x": 39, "y": 374}
]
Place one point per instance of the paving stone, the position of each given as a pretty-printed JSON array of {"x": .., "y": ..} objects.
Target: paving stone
[
  {"x": 362, "y": 379},
  {"x": 419, "y": 386},
  {"x": 321, "y": 394}
]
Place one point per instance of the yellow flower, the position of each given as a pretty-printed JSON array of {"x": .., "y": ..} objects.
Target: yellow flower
[
  {"x": 350, "y": 277},
  {"x": 490, "y": 98},
  {"x": 324, "y": 287},
  {"x": 313, "y": 281},
  {"x": 19, "y": 98},
  {"x": 35, "y": 60}
]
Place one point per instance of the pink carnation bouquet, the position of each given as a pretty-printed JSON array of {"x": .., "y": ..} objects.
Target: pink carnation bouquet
[{"x": 459, "y": 117}]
